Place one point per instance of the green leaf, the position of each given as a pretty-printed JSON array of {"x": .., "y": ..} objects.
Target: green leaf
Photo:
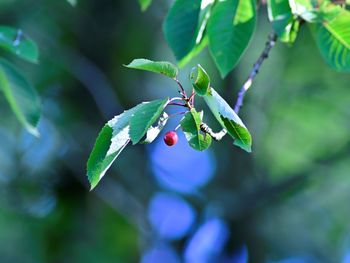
[
  {"x": 280, "y": 15},
  {"x": 144, "y": 117},
  {"x": 160, "y": 67},
  {"x": 145, "y": 4},
  {"x": 333, "y": 41},
  {"x": 305, "y": 9},
  {"x": 22, "y": 97},
  {"x": 190, "y": 125},
  {"x": 194, "y": 52},
  {"x": 181, "y": 26},
  {"x": 111, "y": 141},
  {"x": 153, "y": 132},
  {"x": 14, "y": 41},
  {"x": 283, "y": 22},
  {"x": 328, "y": 11},
  {"x": 116, "y": 135},
  {"x": 102, "y": 157},
  {"x": 200, "y": 80},
  {"x": 230, "y": 29},
  {"x": 201, "y": 38},
  {"x": 315, "y": 11},
  {"x": 229, "y": 120}
]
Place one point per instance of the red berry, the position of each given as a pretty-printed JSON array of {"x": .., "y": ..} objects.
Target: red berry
[{"x": 170, "y": 138}]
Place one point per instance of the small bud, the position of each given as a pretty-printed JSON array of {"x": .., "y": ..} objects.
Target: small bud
[{"x": 170, "y": 138}]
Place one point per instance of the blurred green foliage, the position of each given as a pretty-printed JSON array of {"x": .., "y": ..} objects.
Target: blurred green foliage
[{"x": 288, "y": 198}]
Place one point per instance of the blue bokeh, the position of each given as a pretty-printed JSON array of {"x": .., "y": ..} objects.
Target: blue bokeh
[
  {"x": 160, "y": 253},
  {"x": 207, "y": 242},
  {"x": 346, "y": 258},
  {"x": 170, "y": 215},
  {"x": 180, "y": 168}
]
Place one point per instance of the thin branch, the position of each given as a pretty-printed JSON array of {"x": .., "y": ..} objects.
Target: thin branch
[
  {"x": 176, "y": 104},
  {"x": 174, "y": 99},
  {"x": 182, "y": 90},
  {"x": 191, "y": 98},
  {"x": 217, "y": 136},
  {"x": 248, "y": 83}
]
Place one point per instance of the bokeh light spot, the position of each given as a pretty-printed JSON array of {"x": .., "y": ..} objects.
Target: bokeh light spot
[
  {"x": 160, "y": 253},
  {"x": 207, "y": 243},
  {"x": 179, "y": 167},
  {"x": 170, "y": 215}
]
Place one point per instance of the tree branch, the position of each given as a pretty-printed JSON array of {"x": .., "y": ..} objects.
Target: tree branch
[
  {"x": 247, "y": 84},
  {"x": 217, "y": 136}
]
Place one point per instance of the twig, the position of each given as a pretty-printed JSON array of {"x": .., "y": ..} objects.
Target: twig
[
  {"x": 191, "y": 98},
  {"x": 217, "y": 136},
  {"x": 176, "y": 104},
  {"x": 182, "y": 90},
  {"x": 248, "y": 83},
  {"x": 174, "y": 99}
]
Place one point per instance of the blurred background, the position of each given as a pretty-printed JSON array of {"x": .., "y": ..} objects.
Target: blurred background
[{"x": 287, "y": 202}]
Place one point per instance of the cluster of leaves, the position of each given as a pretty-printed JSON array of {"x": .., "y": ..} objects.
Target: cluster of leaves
[
  {"x": 227, "y": 26},
  {"x": 135, "y": 124},
  {"x": 328, "y": 22},
  {"x": 19, "y": 93},
  {"x": 21, "y": 96}
]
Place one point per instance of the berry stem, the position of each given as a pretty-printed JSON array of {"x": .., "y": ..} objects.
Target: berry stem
[
  {"x": 182, "y": 90},
  {"x": 176, "y": 104}
]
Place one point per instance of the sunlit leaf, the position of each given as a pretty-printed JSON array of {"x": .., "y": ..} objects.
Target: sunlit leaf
[
  {"x": 283, "y": 21},
  {"x": 16, "y": 42},
  {"x": 114, "y": 137},
  {"x": 185, "y": 32},
  {"x": 329, "y": 11},
  {"x": 315, "y": 11},
  {"x": 181, "y": 26},
  {"x": 333, "y": 40},
  {"x": 200, "y": 80},
  {"x": 109, "y": 144},
  {"x": 190, "y": 125},
  {"x": 22, "y": 97},
  {"x": 142, "y": 119},
  {"x": 230, "y": 29},
  {"x": 154, "y": 131},
  {"x": 280, "y": 14},
  {"x": 194, "y": 52},
  {"x": 160, "y": 67},
  {"x": 229, "y": 120}
]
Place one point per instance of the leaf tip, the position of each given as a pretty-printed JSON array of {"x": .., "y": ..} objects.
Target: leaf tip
[
  {"x": 244, "y": 146},
  {"x": 92, "y": 181},
  {"x": 126, "y": 65},
  {"x": 33, "y": 131},
  {"x": 223, "y": 74},
  {"x": 92, "y": 187}
]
